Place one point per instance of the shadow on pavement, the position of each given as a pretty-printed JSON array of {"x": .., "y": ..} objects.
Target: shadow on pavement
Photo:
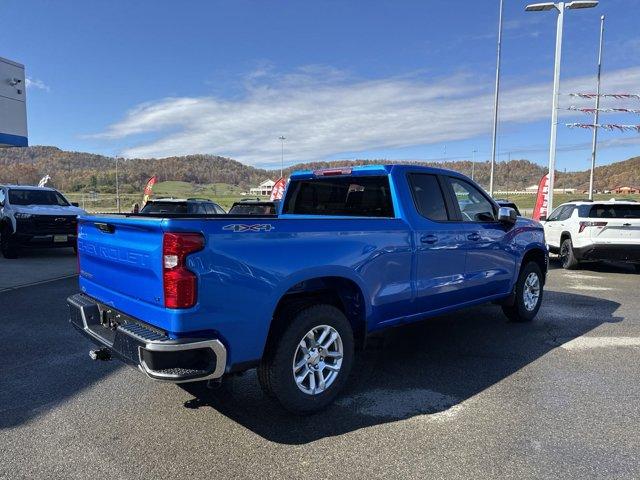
[
  {"x": 603, "y": 266},
  {"x": 43, "y": 361},
  {"x": 428, "y": 368}
]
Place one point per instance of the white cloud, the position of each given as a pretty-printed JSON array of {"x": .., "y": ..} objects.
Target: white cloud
[
  {"x": 323, "y": 112},
  {"x": 37, "y": 84}
]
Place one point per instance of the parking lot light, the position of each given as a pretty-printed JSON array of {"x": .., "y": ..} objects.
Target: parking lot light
[{"x": 560, "y": 7}]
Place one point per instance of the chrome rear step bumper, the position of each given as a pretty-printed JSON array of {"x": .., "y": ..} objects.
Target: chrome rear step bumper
[{"x": 154, "y": 353}]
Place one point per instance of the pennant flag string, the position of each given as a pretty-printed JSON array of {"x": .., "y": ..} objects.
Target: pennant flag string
[
  {"x": 620, "y": 96},
  {"x": 605, "y": 110},
  {"x": 605, "y": 126}
]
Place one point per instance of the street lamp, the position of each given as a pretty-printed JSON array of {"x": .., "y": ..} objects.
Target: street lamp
[
  {"x": 560, "y": 7},
  {"x": 282, "y": 138},
  {"x": 495, "y": 104},
  {"x": 473, "y": 163},
  {"x": 117, "y": 188}
]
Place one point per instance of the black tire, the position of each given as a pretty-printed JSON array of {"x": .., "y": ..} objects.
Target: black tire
[
  {"x": 8, "y": 245},
  {"x": 637, "y": 267},
  {"x": 567, "y": 257},
  {"x": 276, "y": 370},
  {"x": 519, "y": 312}
]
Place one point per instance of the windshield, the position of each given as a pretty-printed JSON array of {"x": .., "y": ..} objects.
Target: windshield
[{"x": 36, "y": 197}]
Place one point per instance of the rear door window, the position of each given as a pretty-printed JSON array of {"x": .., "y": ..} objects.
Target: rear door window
[
  {"x": 614, "y": 211},
  {"x": 366, "y": 196},
  {"x": 566, "y": 212},
  {"x": 428, "y": 196}
]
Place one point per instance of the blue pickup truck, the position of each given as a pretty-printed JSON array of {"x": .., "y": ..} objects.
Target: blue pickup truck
[{"x": 352, "y": 251}]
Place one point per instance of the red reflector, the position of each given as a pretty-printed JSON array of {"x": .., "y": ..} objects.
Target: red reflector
[
  {"x": 180, "y": 283},
  {"x": 334, "y": 171}
]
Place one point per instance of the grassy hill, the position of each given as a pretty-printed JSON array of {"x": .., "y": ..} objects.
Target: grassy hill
[{"x": 210, "y": 175}]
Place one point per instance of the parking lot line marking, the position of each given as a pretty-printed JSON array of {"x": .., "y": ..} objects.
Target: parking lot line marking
[
  {"x": 587, "y": 343},
  {"x": 582, "y": 276},
  {"x": 40, "y": 282},
  {"x": 590, "y": 288}
]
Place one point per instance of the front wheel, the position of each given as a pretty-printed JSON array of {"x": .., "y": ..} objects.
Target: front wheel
[
  {"x": 528, "y": 294},
  {"x": 7, "y": 243},
  {"x": 311, "y": 361}
]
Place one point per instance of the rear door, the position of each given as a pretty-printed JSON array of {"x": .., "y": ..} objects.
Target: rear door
[
  {"x": 439, "y": 241},
  {"x": 614, "y": 223},
  {"x": 555, "y": 224},
  {"x": 490, "y": 259}
]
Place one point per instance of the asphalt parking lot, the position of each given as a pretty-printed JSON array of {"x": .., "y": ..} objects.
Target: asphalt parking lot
[
  {"x": 463, "y": 396},
  {"x": 35, "y": 266}
]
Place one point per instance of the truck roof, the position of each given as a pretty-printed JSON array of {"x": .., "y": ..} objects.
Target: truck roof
[
  {"x": 28, "y": 187},
  {"x": 361, "y": 170}
]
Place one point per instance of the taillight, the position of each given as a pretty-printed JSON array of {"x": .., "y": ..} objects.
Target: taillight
[
  {"x": 180, "y": 283},
  {"x": 583, "y": 225}
]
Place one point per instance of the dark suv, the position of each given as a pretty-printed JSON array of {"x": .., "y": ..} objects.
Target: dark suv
[{"x": 184, "y": 206}]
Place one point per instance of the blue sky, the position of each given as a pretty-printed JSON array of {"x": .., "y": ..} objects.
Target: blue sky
[{"x": 349, "y": 79}]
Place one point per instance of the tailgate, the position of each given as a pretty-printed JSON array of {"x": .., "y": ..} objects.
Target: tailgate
[
  {"x": 122, "y": 255},
  {"x": 617, "y": 230}
]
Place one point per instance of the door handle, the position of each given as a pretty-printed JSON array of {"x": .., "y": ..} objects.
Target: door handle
[
  {"x": 626, "y": 224},
  {"x": 429, "y": 239},
  {"x": 474, "y": 237}
]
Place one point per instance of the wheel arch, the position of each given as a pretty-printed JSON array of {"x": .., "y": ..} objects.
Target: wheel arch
[
  {"x": 537, "y": 255},
  {"x": 342, "y": 291}
]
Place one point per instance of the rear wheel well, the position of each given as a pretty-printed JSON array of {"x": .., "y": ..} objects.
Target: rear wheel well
[{"x": 340, "y": 292}]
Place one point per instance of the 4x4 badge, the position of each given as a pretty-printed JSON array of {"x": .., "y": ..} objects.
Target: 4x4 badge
[{"x": 257, "y": 227}]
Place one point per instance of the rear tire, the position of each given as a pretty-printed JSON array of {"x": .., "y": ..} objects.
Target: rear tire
[
  {"x": 528, "y": 294},
  {"x": 316, "y": 347},
  {"x": 7, "y": 243},
  {"x": 637, "y": 267},
  {"x": 567, "y": 256}
]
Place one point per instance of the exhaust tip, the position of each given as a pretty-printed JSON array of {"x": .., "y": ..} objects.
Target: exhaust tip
[{"x": 103, "y": 354}]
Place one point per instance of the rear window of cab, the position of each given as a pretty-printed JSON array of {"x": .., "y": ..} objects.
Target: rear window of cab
[{"x": 353, "y": 196}]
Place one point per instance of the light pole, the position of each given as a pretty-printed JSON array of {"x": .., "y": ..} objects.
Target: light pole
[
  {"x": 594, "y": 143},
  {"x": 560, "y": 7},
  {"x": 117, "y": 188},
  {"x": 495, "y": 103},
  {"x": 473, "y": 163},
  {"x": 282, "y": 138}
]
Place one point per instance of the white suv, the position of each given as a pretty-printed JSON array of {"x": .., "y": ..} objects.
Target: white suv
[{"x": 584, "y": 230}]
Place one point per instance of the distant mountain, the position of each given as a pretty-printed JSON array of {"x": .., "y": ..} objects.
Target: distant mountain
[{"x": 79, "y": 171}]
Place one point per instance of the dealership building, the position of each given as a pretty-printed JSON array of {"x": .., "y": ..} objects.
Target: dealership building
[{"x": 13, "y": 101}]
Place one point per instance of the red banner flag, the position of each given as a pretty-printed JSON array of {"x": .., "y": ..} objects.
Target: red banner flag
[
  {"x": 148, "y": 189},
  {"x": 278, "y": 189},
  {"x": 542, "y": 199}
]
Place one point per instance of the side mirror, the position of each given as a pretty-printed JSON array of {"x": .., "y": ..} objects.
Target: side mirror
[
  {"x": 507, "y": 215},
  {"x": 543, "y": 218},
  {"x": 75, "y": 204}
]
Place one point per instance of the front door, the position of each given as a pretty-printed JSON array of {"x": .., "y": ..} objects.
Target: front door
[{"x": 490, "y": 257}]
